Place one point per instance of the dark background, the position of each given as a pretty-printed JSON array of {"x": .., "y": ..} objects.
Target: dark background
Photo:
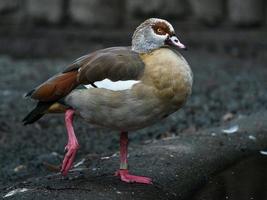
[
  {"x": 227, "y": 41},
  {"x": 73, "y": 27}
]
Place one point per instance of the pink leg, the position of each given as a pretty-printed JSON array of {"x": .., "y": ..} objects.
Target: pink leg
[
  {"x": 123, "y": 171},
  {"x": 72, "y": 145}
]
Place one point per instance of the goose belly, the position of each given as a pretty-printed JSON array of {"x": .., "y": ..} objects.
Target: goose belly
[{"x": 117, "y": 110}]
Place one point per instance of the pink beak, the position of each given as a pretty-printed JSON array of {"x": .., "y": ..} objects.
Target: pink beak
[{"x": 173, "y": 41}]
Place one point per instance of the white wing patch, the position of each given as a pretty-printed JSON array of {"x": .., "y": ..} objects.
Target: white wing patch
[{"x": 116, "y": 86}]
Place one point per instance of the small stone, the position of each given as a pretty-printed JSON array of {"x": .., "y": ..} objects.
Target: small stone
[
  {"x": 263, "y": 152},
  {"x": 166, "y": 135},
  {"x": 213, "y": 134},
  {"x": 19, "y": 168},
  {"x": 227, "y": 117},
  {"x": 251, "y": 137},
  {"x": 231, "y": 130}
]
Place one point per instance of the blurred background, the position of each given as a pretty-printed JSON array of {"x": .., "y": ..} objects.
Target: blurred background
[
  {"x": 31, "y": 28},
  {"x": 227, "y": 42}
]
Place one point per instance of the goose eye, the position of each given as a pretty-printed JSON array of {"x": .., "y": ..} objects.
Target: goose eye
[{"x": 159, "y": 30}]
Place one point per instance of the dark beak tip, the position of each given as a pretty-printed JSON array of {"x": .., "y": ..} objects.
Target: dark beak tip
[{"x": 185, "y": 49}]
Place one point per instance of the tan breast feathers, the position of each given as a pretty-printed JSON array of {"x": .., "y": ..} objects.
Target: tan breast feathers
[{"x": 169, "y": 73}]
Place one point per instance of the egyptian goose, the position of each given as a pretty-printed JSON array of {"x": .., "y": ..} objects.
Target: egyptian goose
[{"x": 128, "y": 88}]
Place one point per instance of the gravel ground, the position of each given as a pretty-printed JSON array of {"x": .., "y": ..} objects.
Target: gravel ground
[{"x": 224, "y": 88}]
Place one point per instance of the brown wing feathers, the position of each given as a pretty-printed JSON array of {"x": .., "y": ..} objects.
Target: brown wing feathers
[
  {"x": 116, "y": 63},
  {"x": 49, "y": 93},
  {"x": 56, "y": 87}
]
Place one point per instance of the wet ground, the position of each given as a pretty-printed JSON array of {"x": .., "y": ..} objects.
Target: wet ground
[{"x": 225, "y": 87}]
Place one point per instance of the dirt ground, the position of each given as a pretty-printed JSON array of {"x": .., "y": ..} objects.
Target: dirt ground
[{"x": 225, "y": 87}]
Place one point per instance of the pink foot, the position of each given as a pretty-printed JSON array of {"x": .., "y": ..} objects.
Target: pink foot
[
  {"x": 69, "y": 157},
  {"x": 126, "y": 177},
  {"x": 72, "y": 145}
]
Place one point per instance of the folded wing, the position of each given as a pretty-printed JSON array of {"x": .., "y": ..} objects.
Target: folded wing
[{"x": 117, "y": 63}]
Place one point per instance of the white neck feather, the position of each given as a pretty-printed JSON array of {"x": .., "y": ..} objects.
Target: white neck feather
[{"x": 145, "y": 40}]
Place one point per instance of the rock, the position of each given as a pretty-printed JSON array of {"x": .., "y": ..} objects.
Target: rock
[
  {"x": 179, "y": 167},
  {"x": 19, "y": 168},
  {"x": 44, "y": 10},
  {"x": 95, "y": 12},
  {"x": 164, "y": 9},
  {"x": 208, "y": 11},
  {"x": 246, "y": 12},
  {"x": 227, "y": 117}
]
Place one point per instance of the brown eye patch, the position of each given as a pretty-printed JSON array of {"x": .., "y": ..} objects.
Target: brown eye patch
[{"x": 161, "y": 28}]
